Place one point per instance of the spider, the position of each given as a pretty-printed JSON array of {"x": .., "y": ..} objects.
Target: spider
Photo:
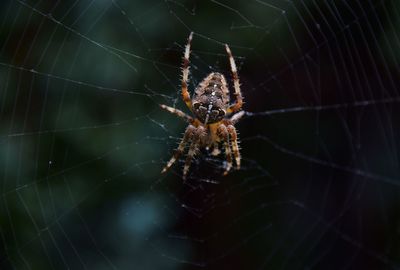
[{"x": 211, "y": 107}]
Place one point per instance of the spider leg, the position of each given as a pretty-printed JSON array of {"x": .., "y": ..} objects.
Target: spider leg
[
  {"x": 224, "y": 135},
  {"x": 194, "y": 146},
  {"x": 236, "y": 84},
  {"x": 237, "y": 116},
  {"x": 178, "y": 152},
  {"x": 185, "y": 74},
  {"x": 177, "y": 112},
  {"x": 235, "y": 146}
]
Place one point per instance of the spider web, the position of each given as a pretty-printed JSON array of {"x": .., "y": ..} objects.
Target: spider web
[{"x": 83, "y": 139}]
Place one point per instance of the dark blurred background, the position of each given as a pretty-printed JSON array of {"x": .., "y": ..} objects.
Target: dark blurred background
[{"x": 83, "y": 140}]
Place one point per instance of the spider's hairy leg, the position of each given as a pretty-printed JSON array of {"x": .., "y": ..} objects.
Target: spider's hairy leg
[
  {"x": 224, "y": 135},
  {"x": 185, "y": 73},
  {"x": 178, "y": 152},
  {"x": 198, "y": 134},
  {"x": 235, "y": 146},
  {"x": 237, "y": 116},
  {"x": 177, "y": 112},
  {"x": 236, "y": 84}
]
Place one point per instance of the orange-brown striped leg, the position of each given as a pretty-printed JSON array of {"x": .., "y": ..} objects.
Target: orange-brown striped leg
[
  {"x": 191, "y": 153},
  {"x": 185, "y": 74},
  {"x": 237, "y": 116},
  {"x": 235, "y": 146},
  {"x": 178, "y": 152},
  {"x": 236, "y": 84},
  {"x": 224, "y": 135},
  {"x": 194, "y": 146},
  {"x": 177, "y": 112}
]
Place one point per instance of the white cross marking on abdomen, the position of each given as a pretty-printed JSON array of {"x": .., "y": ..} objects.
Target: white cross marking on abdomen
[{"x": 208, "y": 113}]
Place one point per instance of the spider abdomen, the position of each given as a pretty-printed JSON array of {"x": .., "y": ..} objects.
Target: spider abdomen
[{"x": 211, "y": 99}]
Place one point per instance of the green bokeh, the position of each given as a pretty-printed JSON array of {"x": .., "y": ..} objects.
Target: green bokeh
[{"x": 83, "y": 139}]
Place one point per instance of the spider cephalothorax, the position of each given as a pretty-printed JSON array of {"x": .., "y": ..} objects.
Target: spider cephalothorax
[{"x": 210, "y": 106}]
